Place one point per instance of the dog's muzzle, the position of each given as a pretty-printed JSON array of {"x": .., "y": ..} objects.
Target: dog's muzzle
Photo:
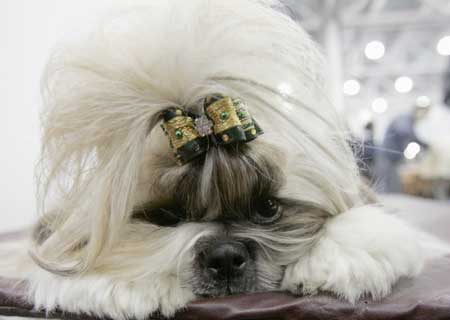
[{"x": 226, "y": 267}]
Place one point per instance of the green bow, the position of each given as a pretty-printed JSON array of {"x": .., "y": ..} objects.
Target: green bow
[{"x": 226, "y": 121}]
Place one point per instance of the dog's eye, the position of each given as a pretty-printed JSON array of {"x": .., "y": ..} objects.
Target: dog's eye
[
  {"x": 164, "y": 217},
  {"x": 267, "y": 211}
]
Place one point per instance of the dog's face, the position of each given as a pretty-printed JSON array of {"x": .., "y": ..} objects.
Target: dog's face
[
  {"x": 230, "y": 218},
  {"x": 228, "y": 222}
]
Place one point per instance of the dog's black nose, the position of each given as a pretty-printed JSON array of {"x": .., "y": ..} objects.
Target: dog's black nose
[{"x": 226, "y": 260}]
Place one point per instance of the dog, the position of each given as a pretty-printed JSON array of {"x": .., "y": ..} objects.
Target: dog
[{"x": 266, "y": 196}]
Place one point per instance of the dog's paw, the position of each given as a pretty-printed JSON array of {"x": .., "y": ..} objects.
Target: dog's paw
[
  {"x": 348, "y": 274},
  {"x": 173, "y": 297},
  {"x": 362, "y": 252}
]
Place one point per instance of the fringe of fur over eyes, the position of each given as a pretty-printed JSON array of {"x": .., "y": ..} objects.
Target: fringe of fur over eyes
[{"x": 103, "y": 94}]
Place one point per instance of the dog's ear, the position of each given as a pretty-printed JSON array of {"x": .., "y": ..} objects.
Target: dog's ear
[{"x": 91, "y": 182}]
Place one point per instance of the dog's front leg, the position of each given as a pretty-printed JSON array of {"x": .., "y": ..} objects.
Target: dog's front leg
[{"x": 362, "y": 252}]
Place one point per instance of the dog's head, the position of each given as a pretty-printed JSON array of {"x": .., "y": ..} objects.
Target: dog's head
[{"x": 231, "y": 219}]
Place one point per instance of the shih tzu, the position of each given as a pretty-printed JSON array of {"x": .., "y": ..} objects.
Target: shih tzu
[{"x": 190, "y": 150}]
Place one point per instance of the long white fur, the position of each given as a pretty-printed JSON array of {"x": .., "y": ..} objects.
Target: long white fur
[
  {"x": 362, "y": 252},
  {"x": 98, "y": 159}
]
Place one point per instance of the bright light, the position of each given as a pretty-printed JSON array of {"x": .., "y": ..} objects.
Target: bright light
[
  {"x": 374, "y": 50},
  {"x": 404, "y": 84},
  {"x": 351, "y": 87},
  {"x": 285, "y": 88},
  {"x": 379, "y": 105},
  {"x": 443, "y": 46},
  {"x": 412, "y": 150},
  {"x": 423, "y": 102}
]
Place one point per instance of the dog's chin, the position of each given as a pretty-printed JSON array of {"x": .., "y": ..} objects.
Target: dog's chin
[
  {"x": 222, "y": 292},
  {"x": 214, "y": 289}
]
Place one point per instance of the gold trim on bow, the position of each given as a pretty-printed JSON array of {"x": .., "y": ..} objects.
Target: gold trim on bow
[
  {"x": 180, "y": 129},
  {"x": 244, "y": 116},
  {"x": 223, "y": 114}
]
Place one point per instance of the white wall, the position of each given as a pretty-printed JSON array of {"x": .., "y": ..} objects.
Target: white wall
[{"x": 28, "y": 31}]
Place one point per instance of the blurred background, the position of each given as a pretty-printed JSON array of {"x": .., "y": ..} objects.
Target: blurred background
[
  {"x": 389, "y": 63},
  {"x": 29, "y": 29}
]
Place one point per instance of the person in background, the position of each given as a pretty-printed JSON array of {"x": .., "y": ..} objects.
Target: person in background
[
  {"x": 447, "y": 86},
  {"x": 399, "y": 134},
  {"x": 435, "y": 130}
]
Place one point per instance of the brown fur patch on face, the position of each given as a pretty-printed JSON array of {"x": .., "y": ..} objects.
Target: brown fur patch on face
[
  {"x": 227, "y": 180},
  {"x": 41, "y": 231}
]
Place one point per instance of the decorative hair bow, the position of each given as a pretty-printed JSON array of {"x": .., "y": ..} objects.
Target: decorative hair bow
[{"x": 225, "y": 121}]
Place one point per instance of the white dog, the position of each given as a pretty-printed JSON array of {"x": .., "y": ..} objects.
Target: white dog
[{"x": 128, "y": 228}]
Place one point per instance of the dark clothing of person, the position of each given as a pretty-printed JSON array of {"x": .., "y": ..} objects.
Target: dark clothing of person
[{"x": 397, "y": 137}]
